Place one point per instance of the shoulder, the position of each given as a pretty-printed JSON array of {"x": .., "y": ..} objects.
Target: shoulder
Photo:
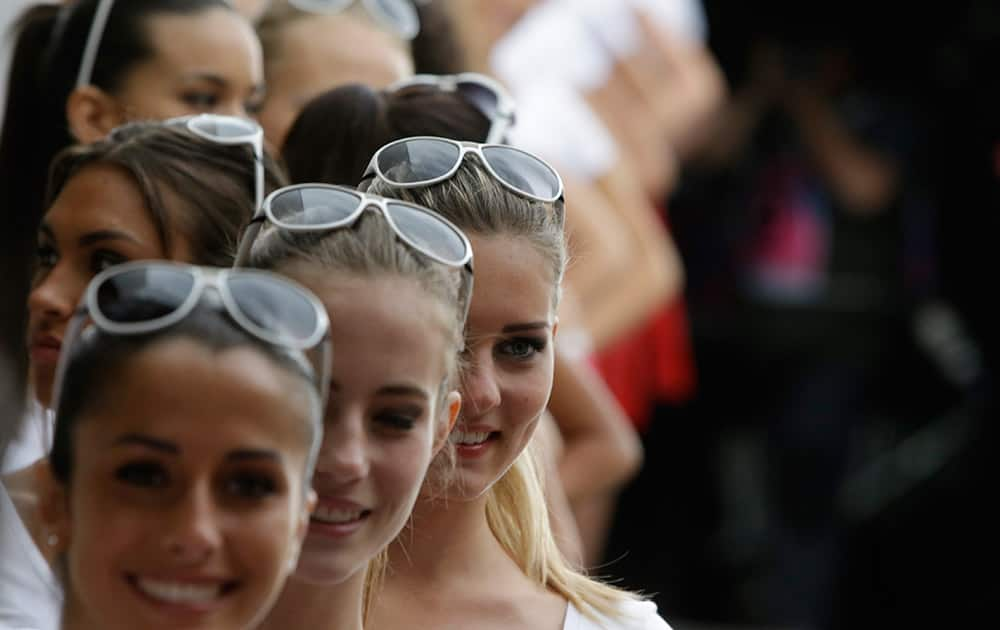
[{"x": 632, "y": 615}]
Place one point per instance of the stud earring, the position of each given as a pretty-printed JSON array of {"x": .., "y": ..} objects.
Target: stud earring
[{"x": 52, "y": 540}]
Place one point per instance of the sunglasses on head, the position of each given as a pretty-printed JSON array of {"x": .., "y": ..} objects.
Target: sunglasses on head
[
  {"x": 399, "y": 16},
  {"x": 321, "y": 207},
  {"x": 482, "y": 92},
  {"x": 146, "y": 296},
  {"x": 230, "y": 130},
  {"x": 426, "y": 160}
]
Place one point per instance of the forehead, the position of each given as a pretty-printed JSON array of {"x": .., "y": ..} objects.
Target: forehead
[
  {"x": 100, "y": 197},
  {"x": 178, "y": 389},
  {"x": 385, "y": 328},
  {"x": 214, "y": 41},
  {"x": 514, "y": 283},
  {"x": 334, "y": 50}
]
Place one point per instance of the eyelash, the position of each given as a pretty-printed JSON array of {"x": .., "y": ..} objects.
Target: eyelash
[
  {"x": 251, "y": 486},
  {"x": 202, "y": 100},
  {"x": 535, "y": 346},
  {"x": 46, "y": 255},
  {"x": 104, "y": 258},
  {"x": 396, "y": 420},
  {"x": 143, "y": 474}
]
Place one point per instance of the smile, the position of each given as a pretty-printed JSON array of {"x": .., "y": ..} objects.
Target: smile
[{"x": 188, "y": 594}]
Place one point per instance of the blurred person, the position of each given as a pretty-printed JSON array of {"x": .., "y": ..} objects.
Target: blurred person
[
  {"x": 177, "y": 492},
  {"x": 822, "y": 276},
  {"x": 151, "y": 59},
  {"x": 393, "y": 398},
  {"x": 307, "y": 53},
  {"x": 149, "y": 191},
  {"x": 480, "y": 550},
  {"x": 593, "y": 447}
]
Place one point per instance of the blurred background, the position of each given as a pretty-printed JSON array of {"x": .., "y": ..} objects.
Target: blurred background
[{"x": 818, "y": 454}]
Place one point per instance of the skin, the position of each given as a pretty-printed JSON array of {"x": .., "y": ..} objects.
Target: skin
[
  {"x": 386, "y": 419},
  {"x": 97, "y": 221},
  {"x": 448, "y": 568},
  {"x": 320, "y": 53},
  {"x": 209, "y": 61},
  {"x": 157, "y": 503}
]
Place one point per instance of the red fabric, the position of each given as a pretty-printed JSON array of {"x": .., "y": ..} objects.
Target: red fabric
[{"x": 654, "y": 364}]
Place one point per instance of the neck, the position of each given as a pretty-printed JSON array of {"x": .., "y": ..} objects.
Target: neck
[
  {"x": 448, "y": 541},
  {"x": 318, "y": 606}
]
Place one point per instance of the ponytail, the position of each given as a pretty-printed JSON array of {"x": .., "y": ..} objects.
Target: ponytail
[{"x": 518, "y": 517}]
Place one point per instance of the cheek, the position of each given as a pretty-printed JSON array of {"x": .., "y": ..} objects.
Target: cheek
[{"x": 401, "y": 473}]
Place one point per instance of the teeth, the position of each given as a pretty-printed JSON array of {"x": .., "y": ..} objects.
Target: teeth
[
  {"x": 468, "y": 439},
  {"x": 335, "y": 515},
  {"x": 179, "y": 593}
]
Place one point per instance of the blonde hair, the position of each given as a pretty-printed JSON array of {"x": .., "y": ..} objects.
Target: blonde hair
[
  {"x": 516, "y": 509},
  {"x": 370, "y": 248}
]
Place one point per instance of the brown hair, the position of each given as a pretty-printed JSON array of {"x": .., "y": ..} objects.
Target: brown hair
[{"x": 213, "y": 182}]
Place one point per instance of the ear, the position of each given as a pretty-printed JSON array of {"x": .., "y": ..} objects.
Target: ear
[
  {"x": 307, "y": 509},
  {"x": 53, "y": 512},
  {"x": 453, "y": 405},
  {"x": 555, "y": 326},
  {"x": 92, "y": 113}
]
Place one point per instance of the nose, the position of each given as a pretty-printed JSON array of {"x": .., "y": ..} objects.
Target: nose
[
  {"x": 344, "y": 453},
  {"x": 480, "y": 386},
  {"x": 193, "y": 527},
  {"x": 56, "y": 295}
]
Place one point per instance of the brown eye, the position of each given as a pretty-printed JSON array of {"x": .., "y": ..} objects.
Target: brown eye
[
  {"x": 143, "y": 475},
  {"x": 250, "y": 486}
]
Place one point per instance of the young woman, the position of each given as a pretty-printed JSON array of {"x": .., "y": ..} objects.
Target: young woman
[
  {"x": 594, "y": 450},
  {"x": 150, "y": 191},
  {"x": 481, "y": 554},
  {"x": 80, "y": 69},
  {"x": 397, "y": 295},
  {"x": 307, "y": 53},
  {"x": 177, "y": 492}
]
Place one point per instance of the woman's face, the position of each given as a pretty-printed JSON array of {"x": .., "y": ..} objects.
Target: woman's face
[
  {"x": 187, "y": 504},
  {"x": 386, "y": 418},
  {"x": 319, "y": 53},
  {"x": 99, "y": 219},
  {"x": 508, "y": 378},
  {"x": 208, "y": 61}
]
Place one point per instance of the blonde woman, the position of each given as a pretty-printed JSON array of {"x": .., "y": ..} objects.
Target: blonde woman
[{"x": 480, "y": 552}]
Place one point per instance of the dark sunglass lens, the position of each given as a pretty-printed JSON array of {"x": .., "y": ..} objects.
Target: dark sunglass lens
[
  {"x": 523, "y": 172},
  {"x": 417, "y": 161},
  {"x": 314, "y": 206},
  {"x": 399, "y": 15},
  {"x": 280, "y": 309},
  {"x": 144, "y": 294},
  {"x": 428, "y": 233},
  {"x": 482, "y": 97}
]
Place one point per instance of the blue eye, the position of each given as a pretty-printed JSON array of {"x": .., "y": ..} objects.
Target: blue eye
[{"x": 521, "y": 348}]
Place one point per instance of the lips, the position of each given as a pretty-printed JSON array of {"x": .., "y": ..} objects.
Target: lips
[
  {"x": 337, "y": 518},
  {"x": 474, "y": 441},
  {"x": 184, "y": 594},
  {"x": 45, "y": 348}
]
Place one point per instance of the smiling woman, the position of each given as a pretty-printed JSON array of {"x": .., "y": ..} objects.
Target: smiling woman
[
  {"x": 150, "y": 191},
  {"x": 154, "y": 521}
]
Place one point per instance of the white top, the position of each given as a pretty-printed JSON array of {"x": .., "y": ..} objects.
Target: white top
[
  {"x": 635, "y": 615},
  {"x": 33, "y": 440},
  {"x": 30, "y": 595},
  {"x": 554, "y": 122}
]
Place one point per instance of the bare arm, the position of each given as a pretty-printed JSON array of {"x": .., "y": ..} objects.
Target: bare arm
[{"x": 863, "y": 179}]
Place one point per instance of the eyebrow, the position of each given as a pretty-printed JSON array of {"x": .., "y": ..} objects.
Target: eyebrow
[
  {"x": 391, "y": 390},
  {"x": 253, "y": 454},
  {"x": 135, "y": 439},
  {"x": 92, "y": 238},
  {"x": 207, "y": 76},
  {"x": 527, "y": 326}
]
